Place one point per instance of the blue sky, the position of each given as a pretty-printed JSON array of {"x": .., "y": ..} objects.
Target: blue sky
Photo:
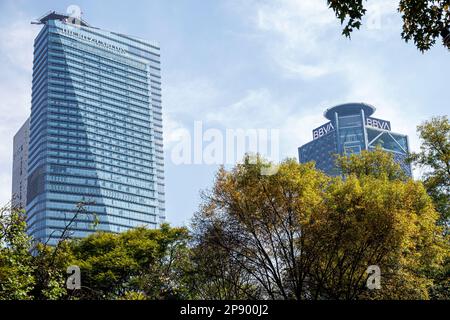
[{"x": 242, "y": 64}]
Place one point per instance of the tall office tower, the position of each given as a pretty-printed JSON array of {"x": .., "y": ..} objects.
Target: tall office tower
[
  {"x": 351, "y": 129},
  {"x": 20, "y": 166},
  {"x": 95, "y": 131}
]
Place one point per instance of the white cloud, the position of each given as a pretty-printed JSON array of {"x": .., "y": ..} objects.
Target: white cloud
[
  {"x": 381, "y": 18},
  {"x": 16, "y": 56},
  {"x": 261, "y": 109},
  {"x": 368, "y": 84},
  {"x": 17, "y": 44},
  {"x": 185, "y": 101},
  {"x": 294, "y": 30},
  {"x": 304, "y": 37},
  {"x": 188, "y": 94},
  {"x": 255, "y": 109}
]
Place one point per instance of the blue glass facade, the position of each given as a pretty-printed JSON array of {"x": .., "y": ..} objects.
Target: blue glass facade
[
  {"x": 351, "y": 129},
  {"x": 95, "y": 132}
]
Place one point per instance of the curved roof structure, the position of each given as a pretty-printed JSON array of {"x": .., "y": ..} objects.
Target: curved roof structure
[{"x": 349, "y": 108}]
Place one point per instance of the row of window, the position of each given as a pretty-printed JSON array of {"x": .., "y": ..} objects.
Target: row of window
[
  {"x": 131, "y": 150},
  {"x": 132, "y": 175},
  {"x": 63, "y": 150},
  {"x": 81, "y": 97},
  {"x": 80, "y": 94},
  {"x": 66, "y": 56},
  {"x": 106, "y": 89},
  {"x": 104, "y": 77},
  {"x": 61, "y": 208},
  {"x": 143, "y": 153},
  {"x": 109, "y": 137},
  {"x": 119, "y": 181},
  {"x": 132, "y": 43},
  {"x": 99, "y": 89},
  {"x": 107, "y": 59},
  {"x": 90, "y": 125},
  {"x": 98, "y": 160},
  {"x": 100, "y": 52},
  {"x": 100, "y": 192},
  {"x": 65, "y": 114},
  {"x": 105, "y": 179},
  {"x": 113, "y": 214},
  {"x": 117, "y": 190},
  {"x": 72, "y": 47},
  {"x": 67, "y": 202},
  {"x": 100, "y": 81},
  {"x": 96, "y": 108}
]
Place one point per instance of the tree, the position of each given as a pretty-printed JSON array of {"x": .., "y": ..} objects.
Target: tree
[
  {"x": 138, "y": 264},
  {"x": 16, "y": 268},
  {"x": 300, "y": 234},
  {"x": 51, "y": 262},
  {"x": 50, "y": 265},
  {"x": 434, "y": 157},
  {"x": 424, "y": 21},
  {"x": 376, "y": 163},
  {"x": 214, "y": 273}
]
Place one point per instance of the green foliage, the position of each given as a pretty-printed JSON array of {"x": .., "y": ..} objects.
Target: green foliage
[
  {"x": 350, "y": 12},
  {"x": 138, "y": 263},
  {"x": 50, "y": 265},
  {"x": 434, "y": 158},
  {"x": 376, "y": 163},
  {"x": 424, "y": 21},
  {"x": 16, "y": 268}
]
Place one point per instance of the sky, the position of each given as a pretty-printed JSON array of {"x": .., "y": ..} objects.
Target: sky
[{"x": 254, "y": 64}]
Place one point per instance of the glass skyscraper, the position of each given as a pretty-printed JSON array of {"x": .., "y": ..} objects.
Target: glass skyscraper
[
  {"x": 95, "y": 131},
  {"x": 351, "y": 129}
]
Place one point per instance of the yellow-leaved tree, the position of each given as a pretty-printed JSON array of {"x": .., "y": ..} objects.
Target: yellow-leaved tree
[{"x": 299, "y": 234}]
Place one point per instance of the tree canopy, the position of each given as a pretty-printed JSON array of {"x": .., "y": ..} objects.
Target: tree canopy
[
  {"x": 300, "y": 234},
  {"x": 16, "y": 271},
  {"x": 434, "y": 159},
  {"x": 424, "y": 21},
  {"x": 296, "y": 234},
  {"x": 140, "y": 263}
]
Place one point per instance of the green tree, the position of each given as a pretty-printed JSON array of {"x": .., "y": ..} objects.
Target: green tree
[
  {"x": 376, "y": 163},
  {"x": 16, "y": 268},
  {"x": 424, "y": 21},
  {"x": 137, "y": 264},
  {"x": 51, "y": 262},
  {"x": 50, "y": 265},
  {"x": 300, "y": 234},
  {"x": 434, "y": 158},
  {"x": 381, "y": 164}
]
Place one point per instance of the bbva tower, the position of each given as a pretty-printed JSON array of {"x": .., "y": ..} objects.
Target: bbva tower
[
  {"x": 95, "y": 131},
  {"x": 351, "y": 129}
]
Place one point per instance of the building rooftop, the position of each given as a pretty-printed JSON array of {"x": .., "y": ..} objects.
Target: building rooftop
[
  {"x": 349, "y": 108},
  {"x": 53, "y": 15}
]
